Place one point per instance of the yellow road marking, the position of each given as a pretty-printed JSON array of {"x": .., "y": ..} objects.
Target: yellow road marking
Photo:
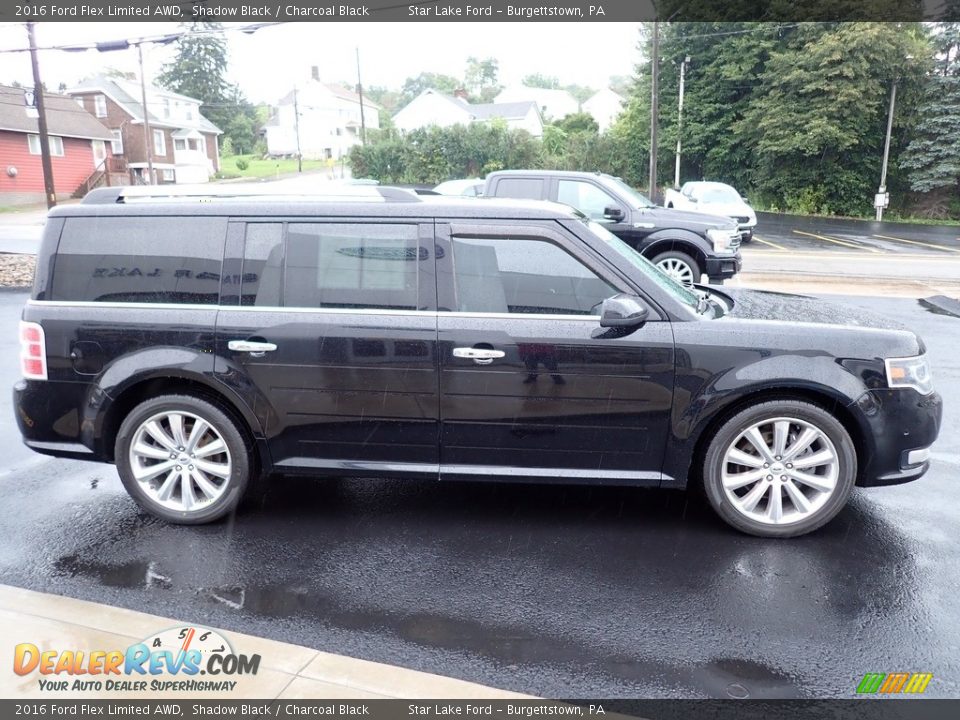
[
  {"x": 917, "y": 242},
  {"x": 767, "y": 242},
  {"x": 838, "y": 242}
]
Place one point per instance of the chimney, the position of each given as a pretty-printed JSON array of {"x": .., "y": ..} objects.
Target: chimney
[
  {"x": 315, "y": 72},
  {"x": 461, "y": 94}
]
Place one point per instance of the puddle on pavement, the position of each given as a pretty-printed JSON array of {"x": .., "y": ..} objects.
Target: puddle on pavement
[
  {"x": 133, "y": 574},
  {"x": 941, "y": 305},
  {"x": 740, "y": 679}
]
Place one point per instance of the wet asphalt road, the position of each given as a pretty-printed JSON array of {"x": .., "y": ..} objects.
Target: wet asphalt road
[{"x": 556, "y": 591}]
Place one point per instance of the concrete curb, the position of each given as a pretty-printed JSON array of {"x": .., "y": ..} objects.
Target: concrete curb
[{"x": 53, "y": 622}]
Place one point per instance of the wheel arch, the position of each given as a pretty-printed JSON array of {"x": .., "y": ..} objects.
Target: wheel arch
[
  {"x": 680, "y": 240},
  {"x": 691, "y": 467},
  {"x": 112, "y": 413}
]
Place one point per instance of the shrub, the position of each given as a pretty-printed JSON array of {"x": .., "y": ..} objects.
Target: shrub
[{"x": 242, "y": 164}]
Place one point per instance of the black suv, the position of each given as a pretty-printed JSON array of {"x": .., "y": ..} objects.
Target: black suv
[
  {"x": 685, "y": 245},
  {"x": 204, "y": 343}
]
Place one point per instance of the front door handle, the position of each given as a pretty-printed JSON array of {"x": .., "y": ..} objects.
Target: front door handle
[
  {"x": 481, "y": 356},
  {"x": 256, "y": 349}
]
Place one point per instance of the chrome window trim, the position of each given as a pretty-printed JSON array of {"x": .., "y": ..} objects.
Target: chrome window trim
[{"x": 316, "y": 311}]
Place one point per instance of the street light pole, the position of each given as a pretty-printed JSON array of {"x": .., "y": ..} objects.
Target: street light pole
[
  {"x": 296, "y": 126},
  {"x": 48, "y": 185},
  {"x": 676, "y": 172},
  {"x": 886, "y": 152},
  {"x": 363, "y": 122}
]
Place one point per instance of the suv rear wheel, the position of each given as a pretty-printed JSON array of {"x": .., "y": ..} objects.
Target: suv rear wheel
[
  {"x": 780, "y": 468},
  {"x": 182, "y": 459},
  {"x": 680, "y": 266}
]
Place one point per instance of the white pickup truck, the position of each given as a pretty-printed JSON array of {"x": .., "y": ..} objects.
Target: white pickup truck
[{"x": 714, "y": 198}]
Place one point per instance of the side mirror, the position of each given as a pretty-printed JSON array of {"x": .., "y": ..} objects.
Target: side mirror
[
  {"x": 623, "y": 311},
  {"x": 613, "y": 213}
]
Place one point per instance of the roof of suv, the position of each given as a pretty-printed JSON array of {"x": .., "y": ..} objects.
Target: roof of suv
[
  {"x": 551, "y": 173},
  {"x": 365, "y": 201}
]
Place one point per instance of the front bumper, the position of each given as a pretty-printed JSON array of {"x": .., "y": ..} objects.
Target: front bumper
[
  {"x": 721, "y": 267},
  {"x": 899, "y": 425}
]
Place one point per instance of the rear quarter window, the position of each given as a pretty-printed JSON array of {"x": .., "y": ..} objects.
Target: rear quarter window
[
  {"x": 522, "y": 188},
  {"x": 139, "y": 259}
]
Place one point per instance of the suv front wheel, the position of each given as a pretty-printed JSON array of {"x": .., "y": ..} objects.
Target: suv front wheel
[
  {"x": 680, "y": 266},
  {"x": 781, "y": 468},
  {"x": 182, "y": 459}
]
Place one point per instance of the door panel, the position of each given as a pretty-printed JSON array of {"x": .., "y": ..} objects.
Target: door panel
[
  {"x": 561, "y": 397},
  {"x": 349, "y": 389}
]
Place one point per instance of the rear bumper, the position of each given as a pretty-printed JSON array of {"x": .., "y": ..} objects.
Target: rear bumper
[
  {"x": 901, "y": 424},
  {"x": 722, "y": 267},
  {"x": 49, "y": 418}
]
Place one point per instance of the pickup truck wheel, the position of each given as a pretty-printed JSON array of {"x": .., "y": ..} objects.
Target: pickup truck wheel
[
  {"x": 680, "y": 266},
  {"x": 781, "y": 468}
]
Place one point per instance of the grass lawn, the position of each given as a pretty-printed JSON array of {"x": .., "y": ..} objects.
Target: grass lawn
[{"x": 259, "y": 168}]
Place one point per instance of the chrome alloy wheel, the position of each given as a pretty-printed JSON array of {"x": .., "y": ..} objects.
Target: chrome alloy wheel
[
  {"x": 780, "y": 471},
  {"x": 180, "y": 461},
  {"x": 678, "y": 270}
]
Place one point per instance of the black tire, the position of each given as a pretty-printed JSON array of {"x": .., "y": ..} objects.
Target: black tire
[
  {"x": 239, "y": 457},
  {"x": 681, "y": 257},
  {"x": 806, "y": 412}
]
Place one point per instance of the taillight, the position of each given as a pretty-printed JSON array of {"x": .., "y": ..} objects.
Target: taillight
[{"x": 33, "y": 351}]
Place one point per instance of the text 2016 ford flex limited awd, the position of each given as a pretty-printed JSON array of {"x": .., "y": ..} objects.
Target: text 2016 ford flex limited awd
[{"x": 202, "y": 344}]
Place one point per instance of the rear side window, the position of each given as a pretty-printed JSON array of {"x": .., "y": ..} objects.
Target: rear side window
[
  {"x": 332, "y": 265},
  {"x": 523, "y": 188},
  {"x": 140, "y": 259}
]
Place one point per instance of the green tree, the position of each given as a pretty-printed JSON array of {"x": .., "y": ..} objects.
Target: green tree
[
  {"x": 579, "y": 122},
  {"x": 538, "y": 80},
  {"x": 414, "y": 86},
  {"x": 481, "y": 78},
  {"x": 198, "y": 70}
]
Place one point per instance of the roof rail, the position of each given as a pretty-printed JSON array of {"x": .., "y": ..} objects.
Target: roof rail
[{"x": 356, "y": 193}]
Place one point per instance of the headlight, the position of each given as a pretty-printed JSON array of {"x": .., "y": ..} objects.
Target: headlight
[
  {"x": 721, "y": 239},
  {"x": 912, "y": 372}
]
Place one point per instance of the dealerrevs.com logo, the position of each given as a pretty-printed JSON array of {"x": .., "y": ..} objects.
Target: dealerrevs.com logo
[{"x": 186, "y": 659}]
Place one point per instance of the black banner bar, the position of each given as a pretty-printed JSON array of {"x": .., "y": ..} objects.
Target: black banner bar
[
  {"x": 480, "y": 11},
  {"x": 888, "y": 709}
]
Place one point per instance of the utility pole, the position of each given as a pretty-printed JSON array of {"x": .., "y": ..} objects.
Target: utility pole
[
  {"x": 147, "y": 134},
  {"x": 296, "y": 126},
  {"x": 880, "y": 201},
  {"x": 48, "y": 186},
  {"x": 676, "y": 172},
  {"x": 654, "y": 109},
  {"x": 363, "y": 122}
]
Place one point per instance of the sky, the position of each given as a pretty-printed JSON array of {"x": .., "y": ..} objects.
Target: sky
[{"x": 268, "y": 62}]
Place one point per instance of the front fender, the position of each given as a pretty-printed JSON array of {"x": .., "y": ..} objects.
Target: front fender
[
  {"x": 676, "y": 239},
  {"x": 701, "y": 397}
]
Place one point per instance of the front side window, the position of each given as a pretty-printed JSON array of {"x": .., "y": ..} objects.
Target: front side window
[
  {"x": 585, "y": 197},
  {"x": 116, "y": 145},
  {"x": 137, "y": 259},
  {"x": 524, "y": 276},
  {"x": 159, "y": 143},
  {"x": 332, "y": 265}
]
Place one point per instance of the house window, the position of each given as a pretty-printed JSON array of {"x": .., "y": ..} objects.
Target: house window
[
  {"x": 179, "y": 144},
  {"x": 203, "y": 145},
  {"x": 169, "y": 176},
  {"x": 159, "y": 143},
  {"x": 100, "y": 105},
  {"x": 166, "y": 107},
  {"x": 79, "y": 101},
  {"x": 56, "y": 145},
  {"x": 189, "y": 112},
  {"x": 116, "y": 145}
]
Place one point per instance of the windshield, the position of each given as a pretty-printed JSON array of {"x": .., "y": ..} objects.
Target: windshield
[
  {"x": 634, "y": 198},
  {"x": 685, "y": 295},
  {"x": 720, "y": 195}
]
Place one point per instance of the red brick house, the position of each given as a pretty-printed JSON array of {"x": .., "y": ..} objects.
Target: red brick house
[
  {"x": 78, "y": 146},
  {"x": 184, "y": 143}
]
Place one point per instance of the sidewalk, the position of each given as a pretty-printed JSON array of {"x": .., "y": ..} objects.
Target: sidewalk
[{"x": 286, "y": 672}]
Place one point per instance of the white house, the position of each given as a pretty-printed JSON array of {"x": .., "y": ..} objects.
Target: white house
[
  {"x": 432, "y": 108},
  {"x": 183, "y": 143},
  {"x": 553, "y": 104},
  {"x": 605, "y": 106},
  {"x": 329, "y": 121}
]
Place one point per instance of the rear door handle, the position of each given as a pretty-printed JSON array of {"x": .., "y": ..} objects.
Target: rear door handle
[
  {"x": 256, "y": 349},
  {"x": 481, "y": 356}
]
